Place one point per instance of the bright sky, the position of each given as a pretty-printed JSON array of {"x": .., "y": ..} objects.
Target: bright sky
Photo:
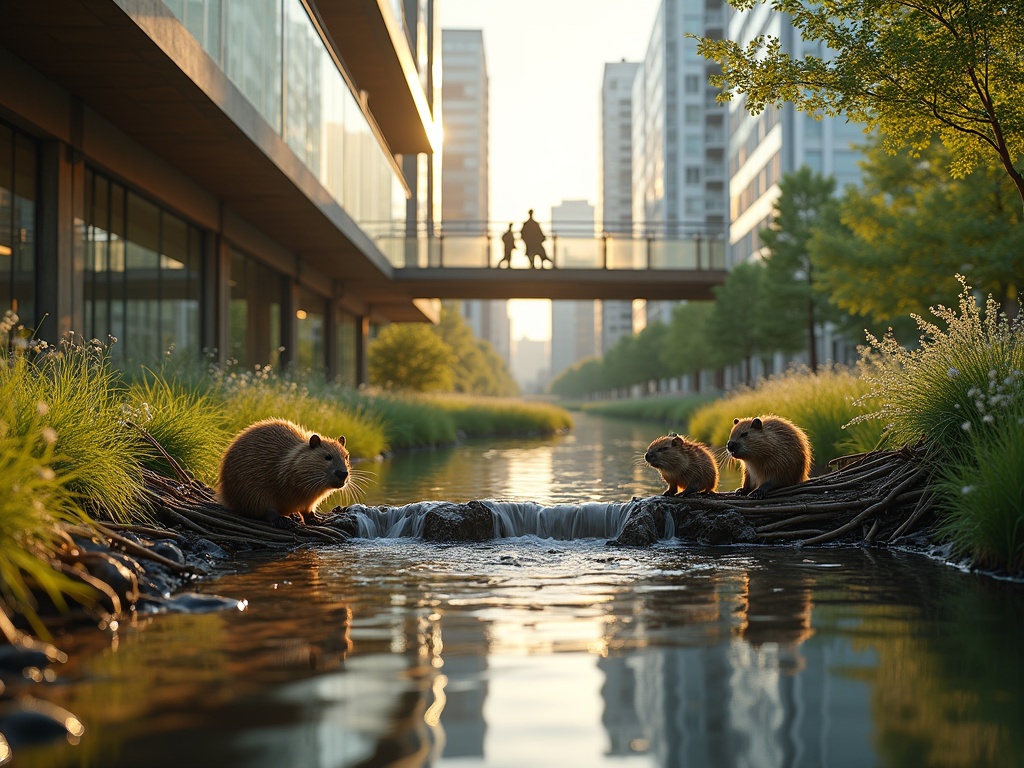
[{"x": 545, "y": 61}]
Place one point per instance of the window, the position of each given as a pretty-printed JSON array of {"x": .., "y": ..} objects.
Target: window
[
  {"x": 254, "y": 317},
  {"x": 18, "y": 159},
  {"x": 141, "y": 280}
]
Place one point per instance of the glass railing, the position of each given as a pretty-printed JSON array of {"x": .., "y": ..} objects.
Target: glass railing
[{"x": 461, "y": 249}]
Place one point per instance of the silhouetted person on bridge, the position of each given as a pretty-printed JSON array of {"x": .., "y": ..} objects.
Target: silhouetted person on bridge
[
  {"x": 509, "y": 241},
  {"x": 533, "y": 240}
]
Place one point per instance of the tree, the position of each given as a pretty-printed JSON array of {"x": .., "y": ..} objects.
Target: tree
[
  {"x": 735, "y": 331},
  {"x": 793, "y": 306},
  {"x": 410, "y": 356},
  {"x": 580, "y": 379},
  {"x": 477, "y": 369},
  {"x": 912, "y": 68},
  {"x": 686, "y": 349},
  {"x": 910, "y": 228}
]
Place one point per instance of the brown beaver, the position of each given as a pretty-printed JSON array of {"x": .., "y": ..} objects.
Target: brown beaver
[
  {"x": 686, "y": 466},
  {"x": 774, "y": 453},
  {"x": 275, "y": 469}
]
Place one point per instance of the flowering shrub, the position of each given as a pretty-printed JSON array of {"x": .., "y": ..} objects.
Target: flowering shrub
[{"x": 961, "y": 390}]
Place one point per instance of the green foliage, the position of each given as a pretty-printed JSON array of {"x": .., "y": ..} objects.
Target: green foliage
[
  {"x": 821, "y": 403},
  {"x": 670, "y": 411},
  {"x": 793, "y": 305},
  {"x": 404, "y": 420},
  {"x": 477, "y": 368},
  {"x": 736, "y": 331},
  {"x": 580, "y": 379},
  {"x": 189, "y": 424},
  {"x": 686, "y": 348},
  {"x": 322, "y": 407},
  {"x": 983, "y": 499},
  {"x": 909, "y": 227},
  {"x": 954, "y": 383},
  {"x": 961, "y": 389},
  {"x": 96, "y": 450},
  {"x": 411, "y": 356},
  {"x": 476, "y": 417},
  {"x": 912, "y": 70}
]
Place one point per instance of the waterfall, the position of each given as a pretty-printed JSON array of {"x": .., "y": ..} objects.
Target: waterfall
[
  {"x": 563, "y": 522},
  {"x": 590, "y": 520}
]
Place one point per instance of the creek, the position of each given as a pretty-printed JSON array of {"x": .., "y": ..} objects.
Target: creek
[{"x": 546, "y": 647}]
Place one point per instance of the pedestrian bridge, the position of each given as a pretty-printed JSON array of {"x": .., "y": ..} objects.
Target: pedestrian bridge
[{"x": 606, "y": 266}]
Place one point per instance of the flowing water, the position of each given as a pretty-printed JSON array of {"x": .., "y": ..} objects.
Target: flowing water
[{"x": 545, "y": 647}]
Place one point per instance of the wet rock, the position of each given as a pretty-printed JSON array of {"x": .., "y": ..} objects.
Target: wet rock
[
  {"x": 714, "y": 528},
  {"x": 472, "y": 521},
  {"x": 343, "y": 520},
  {"x": 640, "y": 529}
]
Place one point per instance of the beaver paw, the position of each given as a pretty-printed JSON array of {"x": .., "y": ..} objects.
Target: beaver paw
[{"x": 289, "y": 523}]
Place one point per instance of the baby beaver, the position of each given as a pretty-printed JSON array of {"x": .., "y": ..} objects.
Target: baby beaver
[
  {"x": 774, "y": 453},
  {"x": 275, "y": 469},
  {"x": 686, "y": 466}
]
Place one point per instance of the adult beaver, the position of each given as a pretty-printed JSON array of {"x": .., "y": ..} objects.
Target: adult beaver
[
  {"x": 275, "y": 469},
  {"x": 773, "y": 451}
]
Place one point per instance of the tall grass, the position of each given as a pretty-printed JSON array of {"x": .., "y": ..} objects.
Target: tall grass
[
  {"x": 477, "y": 416},
  {"x": 96, "y": 451},
  {"x": 962, "y": 390},
  {"x": 671, "y": 411},
  {"x": 821, "y": 403}
]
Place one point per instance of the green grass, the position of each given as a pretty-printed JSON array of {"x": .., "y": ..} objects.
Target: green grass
[
  {"x": 670, "y": 411},
  {"x": 480, "y": 416},
  {"x": 821, "y": 403},
  {"x": 983, "y": 499}
]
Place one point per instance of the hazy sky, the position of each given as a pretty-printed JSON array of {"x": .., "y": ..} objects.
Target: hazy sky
[{"x": 545, "y": 61}]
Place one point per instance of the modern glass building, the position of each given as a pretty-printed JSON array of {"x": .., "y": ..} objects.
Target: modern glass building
[{"x": 212, "y": 174}]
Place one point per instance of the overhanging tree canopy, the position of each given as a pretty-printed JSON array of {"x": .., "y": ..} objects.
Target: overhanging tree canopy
[{"x": 913, "y": 69}]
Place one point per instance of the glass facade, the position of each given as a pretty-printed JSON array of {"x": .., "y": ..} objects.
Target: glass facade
[
  {"x": 311, "y": 317},
  {"x": 275, "y": 56},
  {"x": 18, "y": 171},
  {"x": 254, "y": 313},
  {"x": 142, "y": 273}
]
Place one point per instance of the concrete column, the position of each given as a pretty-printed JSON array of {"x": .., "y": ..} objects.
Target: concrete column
[{"x": 60, "y": 254}]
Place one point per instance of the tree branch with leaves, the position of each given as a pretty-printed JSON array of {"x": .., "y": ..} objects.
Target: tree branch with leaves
[{"x": 913, "y": 70}]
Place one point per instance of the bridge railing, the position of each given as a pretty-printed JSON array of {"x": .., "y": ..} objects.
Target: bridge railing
[{"x": 603, "y": 251}]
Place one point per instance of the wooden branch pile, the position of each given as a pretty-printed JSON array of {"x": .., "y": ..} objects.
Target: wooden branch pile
[{"x": 875, "y": 497}]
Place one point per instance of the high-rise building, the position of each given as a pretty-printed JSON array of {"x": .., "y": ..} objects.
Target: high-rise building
[
  {"x": 615, "y": 182},
  {"x": 765, "y": 147},
  {"x": 465, "y": 181},
  {"x": 575, "y": 325},
  {"x": 214, "y": 175},
  {"x": 679, "y": 130}
]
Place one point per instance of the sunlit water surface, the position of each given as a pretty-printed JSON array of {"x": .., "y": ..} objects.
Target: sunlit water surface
[{"x": 533, "y": 651}]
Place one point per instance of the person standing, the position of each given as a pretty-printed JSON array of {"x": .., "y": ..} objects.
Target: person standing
[
  {"x": 509, "y": 241},
  {"x": 533, "y": 241}
]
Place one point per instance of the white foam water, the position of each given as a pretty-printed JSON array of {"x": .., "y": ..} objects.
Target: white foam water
[{"x": 563, "y": 522}]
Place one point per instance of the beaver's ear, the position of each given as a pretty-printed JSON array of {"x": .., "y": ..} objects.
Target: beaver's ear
[
  {"x": 342, "y": 441},
  {"x": 314, "y": 441},
  {"x": 677, "y": 440},
  {"x": 756, "y": 424},
  {"x": 735, "y": 422}
]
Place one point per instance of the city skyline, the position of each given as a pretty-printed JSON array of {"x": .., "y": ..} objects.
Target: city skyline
[{"x": 539, "y": 163}]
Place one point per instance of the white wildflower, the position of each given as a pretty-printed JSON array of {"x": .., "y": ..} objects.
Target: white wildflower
[
  {"x": 966, "y": 426},
  {"x": 967, "y": 489},
  {"x": 952, "y": 373}
]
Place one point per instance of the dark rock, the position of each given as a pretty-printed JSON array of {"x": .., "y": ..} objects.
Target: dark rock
[
  {"x": 714, "y": 528},
  {"x": 472, "y": 521},
  {"x": 640, "y": 529}
]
